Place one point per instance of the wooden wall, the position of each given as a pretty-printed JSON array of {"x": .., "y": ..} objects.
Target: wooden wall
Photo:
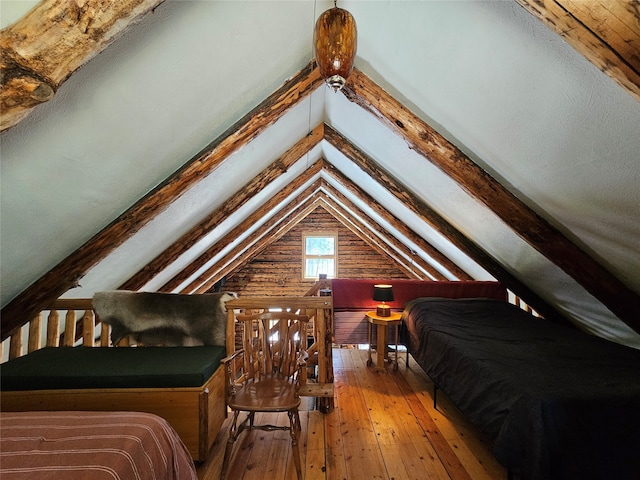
[{"x": 278, "y": 269}]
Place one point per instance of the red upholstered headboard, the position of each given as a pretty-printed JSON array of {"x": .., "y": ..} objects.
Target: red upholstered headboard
[
  {"x": 353, "y": 297},
  {"x": 349, "y": 293}
]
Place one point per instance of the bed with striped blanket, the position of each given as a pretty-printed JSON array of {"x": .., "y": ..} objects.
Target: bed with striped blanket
[{"x": 91, "y": 446}]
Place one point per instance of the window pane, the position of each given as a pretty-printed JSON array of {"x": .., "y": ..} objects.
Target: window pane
[
  {"x": 319, "y": 246},
  {"x": 316, "y": 266}
]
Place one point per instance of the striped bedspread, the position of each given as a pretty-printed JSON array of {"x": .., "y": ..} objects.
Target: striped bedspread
[{"x": 91, "y": 445}]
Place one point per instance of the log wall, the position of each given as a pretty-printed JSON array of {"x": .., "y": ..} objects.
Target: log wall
[{"x": 278, "y": 269}]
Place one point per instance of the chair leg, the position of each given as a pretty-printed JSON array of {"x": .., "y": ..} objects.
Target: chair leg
[
  {"x": 294, "y": 421},
  {"x": 233, "y": 435}
]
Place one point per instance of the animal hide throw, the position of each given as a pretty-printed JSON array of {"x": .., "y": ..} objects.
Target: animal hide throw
[{"x": 168, "y": 319}]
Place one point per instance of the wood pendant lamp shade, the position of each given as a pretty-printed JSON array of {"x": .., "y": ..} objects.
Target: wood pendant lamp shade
[{"x": 335, "y": 43}]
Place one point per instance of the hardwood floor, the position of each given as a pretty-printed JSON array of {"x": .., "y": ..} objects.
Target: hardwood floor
[{"x": 384, "y": 426}]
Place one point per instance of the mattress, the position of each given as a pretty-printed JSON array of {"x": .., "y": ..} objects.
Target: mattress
[
  {"x": 558, "y": 403},
  {"x": 91, "y": 446},
  {"x": 111, "y": 367}
]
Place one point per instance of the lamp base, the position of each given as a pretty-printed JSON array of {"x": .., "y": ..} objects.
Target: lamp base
[{"x": 383, "y": 311}]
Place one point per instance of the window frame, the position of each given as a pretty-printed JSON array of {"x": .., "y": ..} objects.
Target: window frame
[{"x": 305, "y": 256}]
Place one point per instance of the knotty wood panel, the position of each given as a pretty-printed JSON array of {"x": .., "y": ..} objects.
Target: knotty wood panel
[{"x": 278, "y": 269}]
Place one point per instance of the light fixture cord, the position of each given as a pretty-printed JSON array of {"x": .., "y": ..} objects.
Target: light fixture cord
[{"x": 313, "y": 21}]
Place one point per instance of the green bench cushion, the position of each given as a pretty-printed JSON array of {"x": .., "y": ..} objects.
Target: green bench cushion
[{"x": 109, "y": 367}]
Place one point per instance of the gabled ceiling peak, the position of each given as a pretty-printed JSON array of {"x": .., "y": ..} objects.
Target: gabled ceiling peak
[{"x": 422, "y": 138}]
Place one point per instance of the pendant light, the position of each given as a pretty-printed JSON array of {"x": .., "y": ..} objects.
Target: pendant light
[{"x": 334, "y": 44}]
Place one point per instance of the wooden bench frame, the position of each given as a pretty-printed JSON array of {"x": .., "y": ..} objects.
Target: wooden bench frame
[{"x": 196, "y": 413}]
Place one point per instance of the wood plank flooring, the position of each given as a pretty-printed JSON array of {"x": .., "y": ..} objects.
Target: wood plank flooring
[{"x": 384, "y": 426}]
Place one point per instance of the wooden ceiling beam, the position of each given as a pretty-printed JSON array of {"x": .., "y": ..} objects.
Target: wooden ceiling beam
[
  {"x": 43, "y": 48},
  {"x": 212, "y": 274},
  {"x": 375, "y": 239},
  {"x": 48, "y": 44},
  {"x": 431, "y": 217},
  {"x": 402, "y": 253},
  {"x": 247, "y": 249},
  {"x": 383, "y": 244},
  {"x": 607, "y": 33},
  {"x": 423, "y": 245},
  {"x": 272, "y": 230},
  {"x": 277, "y": 168},
  {"x": 530, "y": 226},
  {"x": 364, "y": 233},
  {"x": 67, "y": 273},
  {"x": 253, "y": 219}
]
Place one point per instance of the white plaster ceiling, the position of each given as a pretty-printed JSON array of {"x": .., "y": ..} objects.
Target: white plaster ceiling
[{"x": 510, "y": 93}]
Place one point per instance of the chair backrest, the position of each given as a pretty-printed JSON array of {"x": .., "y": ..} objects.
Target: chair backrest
[{"x": 273, "y": 343}]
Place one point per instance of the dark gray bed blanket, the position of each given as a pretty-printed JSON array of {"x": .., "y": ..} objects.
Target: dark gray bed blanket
[{"x": 557, "y": 403}]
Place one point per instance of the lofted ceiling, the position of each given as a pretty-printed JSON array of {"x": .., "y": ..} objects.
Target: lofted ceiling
[{"x": 472, "y": 141}]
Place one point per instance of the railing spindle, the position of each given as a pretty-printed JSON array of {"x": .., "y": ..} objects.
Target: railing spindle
[
  {"x": 104, "y": 334},
  {"x": 88, "y": 328},
  {"x": 69, "y": 329},
  {"x": 53, "y": 329},
  {"x": 35, "y": 331},
  {"x": 15, "y": 346}
]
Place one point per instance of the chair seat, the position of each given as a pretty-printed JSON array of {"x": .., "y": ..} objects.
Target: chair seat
[
  {"x": 271, "y": 394},
  {"x": 271, "y": 368}
]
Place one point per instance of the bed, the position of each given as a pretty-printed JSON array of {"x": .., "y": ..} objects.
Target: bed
[
  {"x": 353, "y": 297},
  {"x": 91, "y": 446},
  {"x": 184, "y": 385},
  {"x": 557, "y": 403}
]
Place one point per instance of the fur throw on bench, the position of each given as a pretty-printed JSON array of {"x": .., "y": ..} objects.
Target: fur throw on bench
[{"x": 168, "y": 319}]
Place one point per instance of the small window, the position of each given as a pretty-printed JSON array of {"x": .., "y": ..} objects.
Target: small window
[{"x": 319, "y": 255}]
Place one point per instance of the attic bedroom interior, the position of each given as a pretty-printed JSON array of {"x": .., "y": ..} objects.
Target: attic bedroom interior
[{"x": 180, "y": 180}]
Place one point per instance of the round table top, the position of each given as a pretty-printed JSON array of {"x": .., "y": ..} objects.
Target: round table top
[{"x": 393, "y": 318}]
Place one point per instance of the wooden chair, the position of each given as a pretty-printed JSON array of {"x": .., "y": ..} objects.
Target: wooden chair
[{"x": 266, "y": 374}]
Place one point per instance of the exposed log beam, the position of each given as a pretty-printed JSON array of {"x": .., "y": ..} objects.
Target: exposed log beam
[
  {"x": 367, "y": 234},
  {"x": 254, "y": 218},
  {"x": 605, "y": 32},
  {"x": 42, "y": 49},
  {"x": 259, "y": 240},
  {"x": 549, "y": 241},
  {"x": 212, "y": 274},
  {"x": 271, "y": 231},
  {"x": 430, "y": 216},
  {"x": 394, "y": 248},
  {"x": 204, "y": 227},
  {"x": 420, "y": 242},
  {"x": 66, "y": 274}
]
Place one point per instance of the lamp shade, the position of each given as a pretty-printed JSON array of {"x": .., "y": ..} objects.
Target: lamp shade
[
  {"x": 383, "y": 293},
  {"x": 335, "y": 42}
]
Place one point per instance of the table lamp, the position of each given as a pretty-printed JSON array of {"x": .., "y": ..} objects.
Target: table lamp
[{"x": 383, "y": 293}]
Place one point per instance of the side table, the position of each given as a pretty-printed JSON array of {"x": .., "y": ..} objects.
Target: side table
[{"x": 382, "y": 325}]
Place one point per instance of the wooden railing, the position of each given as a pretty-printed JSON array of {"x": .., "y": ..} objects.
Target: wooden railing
[
  {"x": 66, "y": 323},
  {"x": 518, "y": 302},
  {"x": 72, "y": 322},
  {"x": 322, "y": 284}
]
